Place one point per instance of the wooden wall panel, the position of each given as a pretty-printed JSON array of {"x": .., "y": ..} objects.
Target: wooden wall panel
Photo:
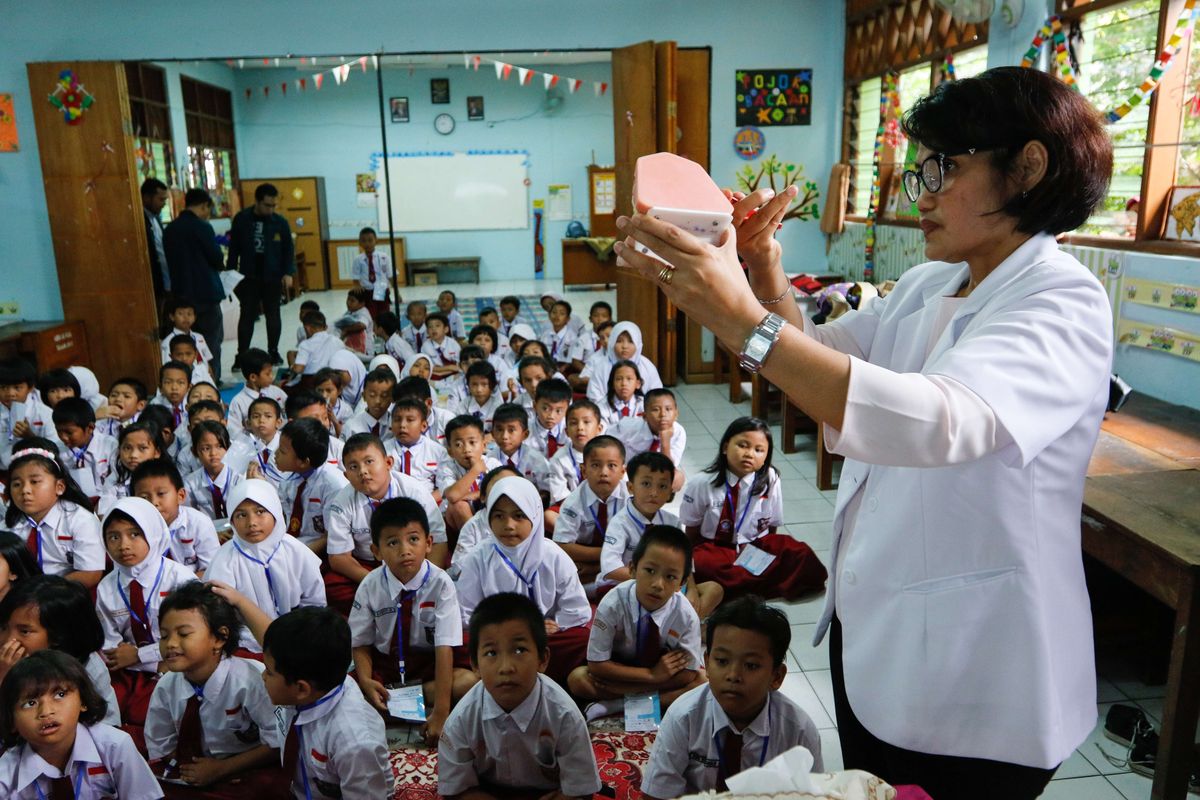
[{"x": 894, "y": 34}]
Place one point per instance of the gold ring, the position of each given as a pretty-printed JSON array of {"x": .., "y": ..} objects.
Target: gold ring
[{"x": 666, "y": 275}]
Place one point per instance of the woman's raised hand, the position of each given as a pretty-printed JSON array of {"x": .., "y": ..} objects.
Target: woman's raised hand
[{"x": 756, "y": 218}]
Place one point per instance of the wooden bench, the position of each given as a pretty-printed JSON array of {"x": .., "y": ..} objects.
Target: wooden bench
[{"x": 444, "y": 270}]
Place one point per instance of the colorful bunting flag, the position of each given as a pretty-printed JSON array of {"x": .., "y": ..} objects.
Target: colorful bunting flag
[
  {"x": 283, "y": 88},
  {"x": 574, "y": 83},
  {"x": 318, "y": 77},
  {"x": 362, "y": 62},
  {"x": 600, "y": 88},
  {"x": 523, "y": 74},
  {"x": 475, "y": 62},
  {"x": 550, "y": 80}
]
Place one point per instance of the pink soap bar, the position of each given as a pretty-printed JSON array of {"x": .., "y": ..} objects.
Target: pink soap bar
[{"x": 665, "y": 180}]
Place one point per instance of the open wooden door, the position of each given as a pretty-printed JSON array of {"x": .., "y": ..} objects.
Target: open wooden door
[
  {"x": 666, "y": 111},
  {"x": 96, "y": 222},
  {"x": 693, "y": 88}
]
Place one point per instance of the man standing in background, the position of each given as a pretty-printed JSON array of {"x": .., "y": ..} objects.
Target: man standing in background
[
  {"x": 195, "y": 261},
  {"x": 154, "y": 197},
  {"x": 261, "y": 248}
]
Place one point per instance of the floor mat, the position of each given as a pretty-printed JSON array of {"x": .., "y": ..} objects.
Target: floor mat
[{"x": 470, "y": 307}]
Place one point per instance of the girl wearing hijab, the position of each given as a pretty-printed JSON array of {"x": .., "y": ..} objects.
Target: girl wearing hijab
[
  {"x": 127, "y": 600},
  {"x": 262, "y": 561},
  {"x": 624, "y": 344},
  {"x": 89, "y": 386},
  {"x": 352, "y": 371},
  {"x": 521, "y": 559}
]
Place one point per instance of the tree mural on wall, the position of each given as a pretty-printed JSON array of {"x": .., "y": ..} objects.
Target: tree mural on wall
[{"x": 779, "y": 175}]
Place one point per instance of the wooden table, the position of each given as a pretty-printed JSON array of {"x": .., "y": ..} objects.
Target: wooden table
[
  {"x": 1141, "y": 518},
  {"x": 47, "y": 345}
]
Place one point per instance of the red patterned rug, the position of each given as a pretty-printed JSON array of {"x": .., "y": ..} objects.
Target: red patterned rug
[{"x": 620, "y": 757}]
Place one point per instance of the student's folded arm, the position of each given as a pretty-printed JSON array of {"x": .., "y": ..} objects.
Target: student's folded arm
[
  {"x": 88, "y": 577},
  {"x": 582, "y": 553},
  {"x": 345, "y": 564},
  {"x": 614, "y": 672}
]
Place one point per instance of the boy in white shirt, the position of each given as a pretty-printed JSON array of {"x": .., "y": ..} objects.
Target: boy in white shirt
[
  {"x": 405, "y": 621},
  {"x": 377, "y": 397},
  {"x": 415, "y": 333},
  {"x": 560, "y": 340},
  {"x": 442, "y": 350},
  {"x": 387, "y": 328},
  {"x": 183, "y": 349},
  {"x": 259, "y": 374},
  {"x": 482, "y": 399},
  {"x": 516, "y": 729},
  {"x": 548, "y": 432},
  {"x": 413, "y": 453},
  {"x": 318, "y": 347},
  {"x": 437, "y": 418},
  {"x": 305, "y": 404},
  {"x": 90, "y": 456},
  {"x": 303, "y": 452},
  {"x": 510, "y": 314},
  {"x": 126, "y": 399},
  {"x": 596, "y": 361},
  {"x": 209, "y": 485},
  {"x": 174, "y": 383},
  {"x": 356, "y": 327},
  {"x": 459, "y": 475},
  {"x": 585, "y": 514},
  {"x": 645, "y": 636},
  {"x": 372, "y": 270},
  {"x": 192, "y": 536},
  {"x": 739, "y": 719},
  {"x": 510, "y": 429},
  {"x": 655, "y": 431},
  {"x": 182, "y": 314},
  {"x": 566, "y": 468},
  {"x": 447, "y": 303},
  {"x": 253, "y": 454}
]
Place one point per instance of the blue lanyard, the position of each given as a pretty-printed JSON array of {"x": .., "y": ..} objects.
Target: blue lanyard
[
  {"x": 78, "y": 783},
  {"x": 38, "y": 526},
  {"x": 266, "y": 565},
  {"x": 641, "y": 526},
  {"x": 527, "y": 581},
  {"x": 574, "y": 463},
  {"x": 401, "y": 645},
  {"x": 145, "y": 621},
  {"x": 733, "y": 510},
  {"x": 300, "y": 738},
  {"x": 212, "y": 485},
  {"x": 762, "y": 756},
  {"x": 80, "y": 456}
]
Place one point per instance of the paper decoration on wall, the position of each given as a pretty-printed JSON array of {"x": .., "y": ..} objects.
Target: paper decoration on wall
[
  {"x": 558, "y": 205},
  {"x": 1160, "y": 338},
  {"x": 773, "y": 97},
  {"x": 748, "y": 143},
  {"x": 1183, "y": 214},
  {"x": 539, "y": 238},
  {"x": 70, "y": 98},
  {"x": 8, "y": 124},
  {"x": 1175, "y": 296},
  {"x": 888, "y": 96},
  {"x": 779, "y": 175}
]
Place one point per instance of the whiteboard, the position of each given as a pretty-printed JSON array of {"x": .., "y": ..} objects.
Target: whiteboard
[{"x": 455, "y": 192}]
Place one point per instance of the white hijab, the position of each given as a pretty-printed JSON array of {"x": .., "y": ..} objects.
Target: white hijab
[
  {"x": 597, "y": 390},
  {"x": 383, "y": 359},
  {"x": 89, "y": 386},
  {"x": 346, "y": 361},
  {"x": 427, "y": 360},
  {"x": 528, "y": 554},
  {"x": 258, "y": 491},
  {"x": 153, "y": 528},
  {"x": 522, "y": 330}
]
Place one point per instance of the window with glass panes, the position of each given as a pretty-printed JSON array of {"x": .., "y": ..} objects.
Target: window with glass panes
[
  {"x": 1187, "y": 165},
  {"x": 969, "y": 63},
  {"x": 212, "y": 155},
  {"x": 864, "y": 145}
]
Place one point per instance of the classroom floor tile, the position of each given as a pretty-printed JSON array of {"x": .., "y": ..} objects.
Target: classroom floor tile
[{"x": 1096, "y": 788}]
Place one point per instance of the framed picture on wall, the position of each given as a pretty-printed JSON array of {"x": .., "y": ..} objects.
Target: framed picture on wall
[
  {"x": 439, "y": 91},
  {"x": 399, "y": 106},
  {"x": 475, "y": 107}
]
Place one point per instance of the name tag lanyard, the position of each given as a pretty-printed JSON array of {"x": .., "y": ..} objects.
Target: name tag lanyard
[
  {"x": 527, "y": 581},
  {"x": 300, "y": 739},
  {"x": 401, "y": 645}
]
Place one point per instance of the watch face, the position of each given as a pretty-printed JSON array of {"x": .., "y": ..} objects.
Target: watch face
[
  {"x": 757, "y": 347},
  {"x": 443, "y": 124}
]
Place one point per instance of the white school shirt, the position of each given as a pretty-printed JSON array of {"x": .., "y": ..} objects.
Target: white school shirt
[
  {"x": 566, "y": 473},
  {"x": 415, "y": 336},
  {"x": 115, "y": 615},
  {"x": 248, "y": 448},
  {"x": 363, "y": 422},
  {"x": 193, "y": 541},
  {"x": 702, "y": 504},
  {"x": 316, "y": 351},
  {"x": 436, "y": 622},
  {"x": 110, "y": 426},
  {"x": 450, "y": 351},
  {"x": 530, "y": 462},
  {"x": 343, "y": 746},
  {"x": 68, "y": 539},
  {"x": 236, "y": 713},
  {"x": 41, "y": 423},
  {"x": 239, "y": 406},
  {"x": 185, "y": 460},
  {"x": 477, "y": 532},
  {"x": 199, "y": 490},
  {"x": 635, "y": 434},
  {"x": 577, "y": 518},
  {"x": 686, "y": 752},
  {"x": 103, "y": 759},
  {"x": 438, "y": 418},
  {"x": 519, "y": 319},
  {"x": 542, "y": 744},
  {"x": 615, "y": 629},
  {"x": 101, "y": 678},
  {"x": 458, "y": 328},
  {"x": 341, "y": 410},
  {"x": 361, "y": 271},
  {"x": 612, "y": 415},
  {"x": 295, "y": 579},
  {"x": 348, "y": 517},
  {"x": 484, "y": 413},
  {"x": 586, "y": 343},
  {"x": 539, "y": 436},
  {"x": 115, "y": 486},
  {"x": 400, "y": 349},
  {"x": 93, "y": 462},
  {"x": 203, "y": 353},
  {"x": 300, "y": 334},
  {"x": 424, "y": 458},
  {"x": 623, "y": 534},
  {"x": 556, "y": 588},
  {"x": 160, "y": 399},
  {"x": 450, "y": 472},
  {"x": 322, "y": 484},
  {"x": 202, "y": 374},
  {"x": 559, "y": 344}
]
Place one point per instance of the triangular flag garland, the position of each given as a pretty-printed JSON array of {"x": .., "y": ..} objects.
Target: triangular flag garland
[
  {"x": 523, "y": 74},
  {"x": 318, "y": 79}
]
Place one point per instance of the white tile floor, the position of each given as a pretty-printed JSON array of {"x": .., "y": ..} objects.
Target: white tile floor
[{"x": 705, "y": 411}]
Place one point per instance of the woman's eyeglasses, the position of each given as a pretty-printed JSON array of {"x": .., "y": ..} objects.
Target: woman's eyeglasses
[{"x": 930, "y": 173}]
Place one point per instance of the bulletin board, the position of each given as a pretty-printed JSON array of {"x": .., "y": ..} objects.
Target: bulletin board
[{"x": 455, "y": 191}]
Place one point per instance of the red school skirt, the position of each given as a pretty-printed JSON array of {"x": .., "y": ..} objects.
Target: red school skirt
[
  {"x": 340, "y": 590},
  {"x": 796, "y": 570}
]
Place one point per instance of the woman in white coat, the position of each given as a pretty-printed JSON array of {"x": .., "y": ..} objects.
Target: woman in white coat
[{"x": 967, "y": 403}]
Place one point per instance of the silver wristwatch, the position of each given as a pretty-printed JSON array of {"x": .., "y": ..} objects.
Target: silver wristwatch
[{"x": 760, "y": 343}]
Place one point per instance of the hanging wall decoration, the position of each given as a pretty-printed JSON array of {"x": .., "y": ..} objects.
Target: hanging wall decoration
[
  {"x": 8, "y": 124},
  {"x": 779, "y": 175},
  {"x": 748, "y": 143},
  {"x": 888, "y": 96},
  {"x": 1159, "y": 337},
  {"x": 71, "y": 98},
  {"x": 773, "y": 97}
]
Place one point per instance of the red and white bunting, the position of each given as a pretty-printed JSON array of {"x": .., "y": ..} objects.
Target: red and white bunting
[
  {"x": 550, "y": 80},
  {"x": 345, "y": 72},
  {"x": 362, "y": 62},
  {"x": 475, "y": 60},
  {"x": 524, "y": 74},
  {"x": 277, "y": 62},
  {"x": 466, "y": 61},
  {"x": 574, "y": 83},
  {"x": 283, "y": 88},
  {"x": 266, "y": 62},
  {"x": 241, "y": 63},
  {"x": 600, "y": 88},
  {"x": 318, "y": 78},
  {"x": 499, "y": 65}
]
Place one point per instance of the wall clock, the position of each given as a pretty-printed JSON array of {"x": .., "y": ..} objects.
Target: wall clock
[{"x": 443, "y": 124}]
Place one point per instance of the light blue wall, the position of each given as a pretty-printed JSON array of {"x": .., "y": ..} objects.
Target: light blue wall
[{"x": 778, "y": 33}]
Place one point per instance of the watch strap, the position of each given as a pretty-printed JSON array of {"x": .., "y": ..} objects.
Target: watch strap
[{"x": 761, "y": 342}]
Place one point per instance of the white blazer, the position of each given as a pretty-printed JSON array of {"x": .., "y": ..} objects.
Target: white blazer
[{"x": 968, "y": 628}]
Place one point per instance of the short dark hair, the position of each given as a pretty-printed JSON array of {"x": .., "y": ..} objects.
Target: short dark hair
[
  {"x": 360, "y": 294},
  {"x": 205, "y": 405},
  {"x": 21, "y": 563},
  {"x": 525, "y": 362},
  {"x": 362, "y": 441},
  {"x": 412, "y": 386},
  {"x": 483, "y": 312},
  {"x": 583, "y": 404},
  {"x": 380, "y": 375},
  {"x": 263, "y": 400},
  {"x": 655, "y": 462},
  {"x": 603, "y": 440},
  {"x": 265, "y": 190},
  {"x": 494, "y": 473},
  {"x": 196, "y": 197},
  {"x": 463, "y": 421},
  {"x": 438, "y": 316},
  {"x": 415, "y": 304},
  {"x": 556, "y": 390},
  {"x": 389, "y": 322},
  {"x": 482, "y": 369},
  {"x": 472, "y": 352},
  {"x": 397, "y": 513},
  {"x": 74, "y": 411},
  {"x": 17, "y": 370},
  {"x": 310, "y": 644},
  {"x": 601, "y": 305},
  {"x": 752, "y": 613},
  {"x": 181, "y": 338},
  {"x": 217, "y": 429},
  {"x": 176, "y": 365},
  {"x": 58, "y": 379},
  {"x": 152, "y": 186},
  {"x": 511, "y": 300},
  {"x": 511, "y": 412},
  {"x": 654, "y": 394},
  {"x": 176, "y": 302},
  {"x": 450, "y": 292},
  {"x": 309, "y": 438},
  {"x": 314, "y": 319},
  {"x": 369, "y": 230},
  {"x": 300, "y": 400},
  {"x": 218, "y": 613},
  {"x": 65, "y": 610},
  {"x": 507, "y": 607},
  {"x": 408, "y": 403},
  {"x": 565, "y": 305},
  {"x": 1002, "y": 110},
  {"x": 310, "y": 305},
  {"x": 603, "y": 326},
  {"x": 160, "y": 417},
  {"x": 39, "y": 672},
  {"x": 666, "y": 536},
  {"x": 156, "y": 468},
  {"x": 139, "y": 388},
  {"x": 254, "y": 360},
  {"x": 327, "y": 374}
]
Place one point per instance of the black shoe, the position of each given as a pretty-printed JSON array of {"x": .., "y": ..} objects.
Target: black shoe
[
  {"x": 276, "y": 358},
  {"x": 1128, "y": 725},
  {"x": 237, "y": 364}
]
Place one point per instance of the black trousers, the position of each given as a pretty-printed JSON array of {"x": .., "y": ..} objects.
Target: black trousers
[
  {"x": 942, "y": 777},
  {"x": 210, "y": 323},
  {"x": 255, "y": 294}
]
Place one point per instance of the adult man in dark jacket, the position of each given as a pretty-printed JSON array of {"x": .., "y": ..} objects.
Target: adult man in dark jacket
[
  {"x": 154, "y": 196},
  {"x": 261, "y": 248},
  {"x": 195, "y": 260}
]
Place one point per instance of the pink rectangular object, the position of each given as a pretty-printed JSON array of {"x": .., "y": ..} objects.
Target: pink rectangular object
[{"x": 665, "y": 180}]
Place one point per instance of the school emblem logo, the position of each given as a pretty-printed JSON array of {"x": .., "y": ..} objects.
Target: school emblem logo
[{"x": 763, "y": 524}]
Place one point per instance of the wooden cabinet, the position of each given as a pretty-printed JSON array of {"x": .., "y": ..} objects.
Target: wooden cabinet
[
  {"x": 46, "y": 345},
  {"x": 302, "y": 204},
  {"x": 581, "y": 266}
]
